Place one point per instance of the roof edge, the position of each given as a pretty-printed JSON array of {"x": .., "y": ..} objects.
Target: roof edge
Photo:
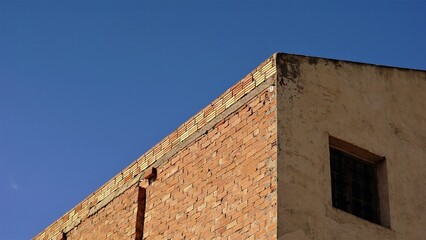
[{"x": 315, "y": 58}]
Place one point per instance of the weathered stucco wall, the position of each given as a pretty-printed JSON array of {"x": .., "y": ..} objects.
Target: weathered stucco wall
[{"x": 380, "y": 109}]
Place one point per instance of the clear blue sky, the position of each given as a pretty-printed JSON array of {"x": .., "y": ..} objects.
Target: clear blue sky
[{"x": 86, "y": 87}]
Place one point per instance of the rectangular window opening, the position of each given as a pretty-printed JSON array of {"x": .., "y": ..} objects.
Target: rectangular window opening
[{"x": 359, "y": 182}]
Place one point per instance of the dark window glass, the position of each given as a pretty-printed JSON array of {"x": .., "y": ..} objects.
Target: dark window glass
[{"x": 354, "y": 185}]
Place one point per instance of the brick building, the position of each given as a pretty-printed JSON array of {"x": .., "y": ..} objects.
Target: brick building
[{"x": 301, "y": 148}]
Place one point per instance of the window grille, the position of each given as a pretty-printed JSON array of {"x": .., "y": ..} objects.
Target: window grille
[{"x": 354, "y": 185}]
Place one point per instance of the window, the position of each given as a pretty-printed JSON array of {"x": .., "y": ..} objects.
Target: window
[
  {"x": 357, "y": 179},
  {"x": 354, "y": 185}
]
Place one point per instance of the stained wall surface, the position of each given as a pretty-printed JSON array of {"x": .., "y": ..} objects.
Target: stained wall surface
[{"x": 380, "y": 109}]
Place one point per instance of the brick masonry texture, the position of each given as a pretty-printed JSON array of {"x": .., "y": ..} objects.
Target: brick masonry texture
[
  {"x": 223, "y": 185},
  {"x": 208, "y": 187},
  {"x": 116, "y": 220}
]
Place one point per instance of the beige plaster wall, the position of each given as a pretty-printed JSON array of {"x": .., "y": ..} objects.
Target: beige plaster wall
[{"x": 380, "y": 109}]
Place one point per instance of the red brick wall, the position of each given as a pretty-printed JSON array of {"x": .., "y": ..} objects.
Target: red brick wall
[
  {"x": 223, "y": 185},
  {"x": 226, "y": 153},
  {"x": 117, "y": 220}
]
